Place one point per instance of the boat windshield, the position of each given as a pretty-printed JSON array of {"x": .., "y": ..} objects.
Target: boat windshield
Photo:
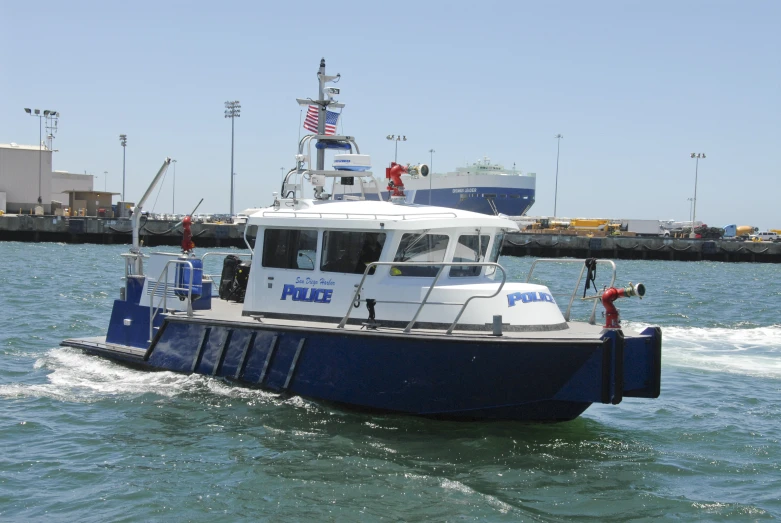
[
  {"x": 471, "y": 247},
  {"x": 496, "y": 250},
  {"x": 350, "y": 252},
  {"x": 420, "y": 248}
]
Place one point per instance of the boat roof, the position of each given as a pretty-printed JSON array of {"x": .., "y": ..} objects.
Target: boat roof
[{"x": 371, "y": 214}]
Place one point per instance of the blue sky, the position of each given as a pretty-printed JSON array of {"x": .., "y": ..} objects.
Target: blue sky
[{"x": 634, "y": 87}]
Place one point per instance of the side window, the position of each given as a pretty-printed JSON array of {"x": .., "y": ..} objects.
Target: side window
[
  {"x": 496, "y": 250},
  {"x": 350, "y": 252},
  {"x": 420, "y": 248},
  {"x": 289, "y": 249},
  {"x": 470, "y": 247}
]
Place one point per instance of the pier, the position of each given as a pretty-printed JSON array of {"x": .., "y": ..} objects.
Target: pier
[
  {"x": 30, "y": 228},
  {"x": 640, "y": 248}
]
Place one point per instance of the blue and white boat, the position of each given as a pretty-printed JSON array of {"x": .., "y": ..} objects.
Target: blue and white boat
[
  {"x": 386, "y": 306},
  {"x": 483, "y": 187}
]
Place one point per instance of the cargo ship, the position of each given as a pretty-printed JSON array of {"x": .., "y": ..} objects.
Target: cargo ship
[{"x": 483, "y": 187}]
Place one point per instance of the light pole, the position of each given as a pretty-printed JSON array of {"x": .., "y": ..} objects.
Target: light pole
[
  {"x": 123, "y": 143},
  {"x": 556, "y": 193},
  {"x": 105, "y": 177},
  {"x": 232, "y": 111},
  {"x": 51, "y": 128},
  {"x": 691, "y": 203},
  {"x": 41, "y": 116},
  {"x": 397, "y": 139},
  {"x": 430, "y": 173},
  {"x": 173, "y": 197},
  {"x": 696, "y": 157}
]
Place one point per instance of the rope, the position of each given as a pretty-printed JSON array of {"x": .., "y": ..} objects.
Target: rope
[
  {"x": 518, "y": 244},
  {"x": 591, "y": 275}
]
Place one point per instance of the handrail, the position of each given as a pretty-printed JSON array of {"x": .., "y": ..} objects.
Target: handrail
[
  {"x": 349, "y": 215},
  {"x": 247, "y": 226},
  {"x": 592, "y": 318},
  {"x": 154, "y": 310},
  {"x": 441, "y": 265},
  {"x": 240, "y": 254}
]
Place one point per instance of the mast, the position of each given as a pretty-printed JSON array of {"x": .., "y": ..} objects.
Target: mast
[
  {"x": 323, "y": 102},
  {"x": 322, "y": 112}
]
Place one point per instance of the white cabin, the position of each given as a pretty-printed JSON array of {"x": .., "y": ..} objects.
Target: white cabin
[{"x": 311, "y": 255}]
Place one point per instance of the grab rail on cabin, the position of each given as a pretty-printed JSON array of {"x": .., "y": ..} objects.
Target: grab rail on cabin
[
  {"x": 153, "y": 310},
  {"x": 441, "y": 265},
  {"x": 353, "y": 215},
  {"x": 611, "y": 263}
]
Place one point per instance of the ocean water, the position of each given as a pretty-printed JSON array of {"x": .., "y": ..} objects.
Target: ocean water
[{"x": 84, "y": 439}]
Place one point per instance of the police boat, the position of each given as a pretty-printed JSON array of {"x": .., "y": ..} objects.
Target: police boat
[{"x": 379, "y": 305}]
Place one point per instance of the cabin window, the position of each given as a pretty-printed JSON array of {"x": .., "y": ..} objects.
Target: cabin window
[
  {"x": 416, "y": 247},
  {"x": 496, "y": 250},
  {"x": 350, "y": 252},
  {"x": 289, "y": 249},
  {"x": 470, "y": 247}
]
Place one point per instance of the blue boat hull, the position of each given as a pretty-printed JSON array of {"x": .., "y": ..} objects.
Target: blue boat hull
[
  {"x": 451, "y": 377},
  {"x": 485, "y": 200}
]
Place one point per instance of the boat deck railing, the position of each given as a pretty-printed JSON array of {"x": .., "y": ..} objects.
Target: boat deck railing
[
  {"x": 424, "y": 302},
  {"x": 567, "y": 314},
  {"x": 163, "y": 300},
  {"x": 239, "y": 254},
  {"x": 358, "y": 216}
]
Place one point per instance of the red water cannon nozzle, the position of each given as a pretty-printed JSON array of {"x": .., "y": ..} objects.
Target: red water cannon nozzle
[
  {"x": 394, "y": 172},
  {"x": 612, "y": 294}
]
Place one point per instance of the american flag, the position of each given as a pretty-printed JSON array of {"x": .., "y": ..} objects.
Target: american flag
[{"x": 310, "y": 122}]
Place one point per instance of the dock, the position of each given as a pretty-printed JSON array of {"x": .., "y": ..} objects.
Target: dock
[
  {"x": 30, "y": 228},
  {"x": 153, "y": 233},
  {"x": 640, "y": 248}
]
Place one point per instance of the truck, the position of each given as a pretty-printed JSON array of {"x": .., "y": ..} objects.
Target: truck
[
  {"x": 643, "y": 227},
  {"x": 739, "y": 231}
]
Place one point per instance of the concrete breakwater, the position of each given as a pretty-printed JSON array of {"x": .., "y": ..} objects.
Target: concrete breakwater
[
  {"x": 640, "y": 248},
  {"x": 27, "y": 228}
]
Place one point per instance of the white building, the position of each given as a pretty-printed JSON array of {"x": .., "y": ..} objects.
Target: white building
[
  {"x": 22, "y": 181},
  {"x": 63, "y": 183},
  {"x": 20, "y": 184}
]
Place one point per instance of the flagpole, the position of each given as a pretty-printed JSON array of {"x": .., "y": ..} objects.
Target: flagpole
[{"x": 321, "y": 112}]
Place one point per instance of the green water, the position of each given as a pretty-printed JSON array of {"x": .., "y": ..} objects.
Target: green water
[{"x": 85, "y": 439}]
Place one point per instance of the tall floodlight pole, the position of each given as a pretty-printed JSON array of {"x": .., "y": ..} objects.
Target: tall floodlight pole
[
  {"x": 556, "y": 192},
  {"x": 430, "y": 173},
  {"x": 51, "y": 128},
  {"x": 41, "y": 116},
  {"x": 696, "y": 157},
  {"x": 123, "y": 143},
  {"x": 396, "y": 138},
  {"x": 232, "y": 111},
  {"x": 105, "y": 177},
  {"x": 691, "y": 204},
  {"x": 173, "y": 197}
]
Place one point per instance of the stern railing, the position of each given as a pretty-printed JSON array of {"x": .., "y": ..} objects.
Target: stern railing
[
  {"x": 153, "y": 310},
  {"x": 592, "y": 318}
]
